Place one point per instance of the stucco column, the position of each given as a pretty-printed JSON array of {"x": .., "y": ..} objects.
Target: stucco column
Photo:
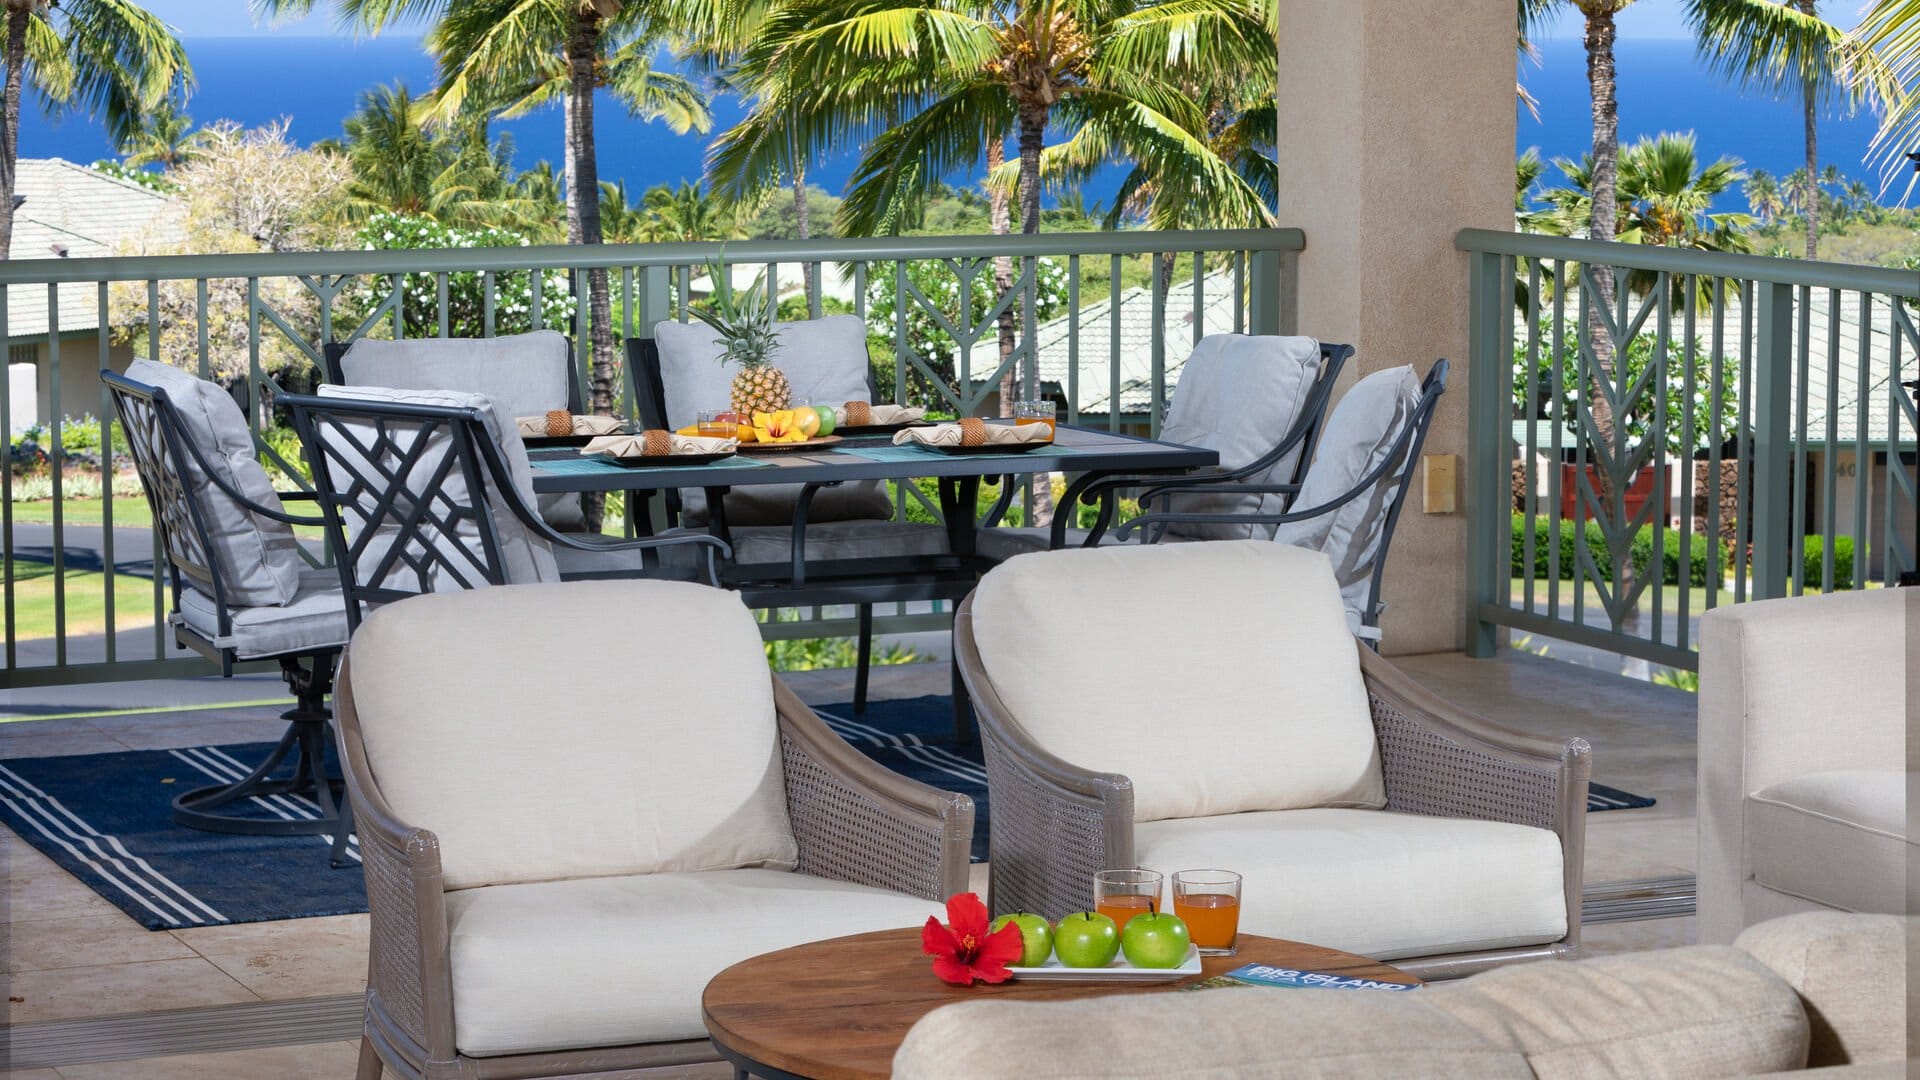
[{"x": 1396, "y": 131}]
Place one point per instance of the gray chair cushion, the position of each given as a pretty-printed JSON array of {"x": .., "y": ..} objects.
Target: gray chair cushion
[
  {"x": 316, "y": 618},
  {"x": 527, "y": 556},
  {"x": 259, "y": 560},
  {"x": 1358, "y": 436},
  {"x": 825, "y": 361},
  {"x": 1240, "y": 395},
  {"x": 525, "y": 374}
]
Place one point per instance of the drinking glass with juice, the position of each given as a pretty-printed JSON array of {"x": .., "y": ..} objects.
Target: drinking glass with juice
[
  {"x": 1122, "y": 894},
  {"x": 1208, "y": 901},
  {"x": 1034, "y": 412}
]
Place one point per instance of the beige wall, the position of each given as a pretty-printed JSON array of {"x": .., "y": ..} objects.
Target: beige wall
[
  {"x": 79, "y": 376},
  {"x": 1396, "y": 131}
]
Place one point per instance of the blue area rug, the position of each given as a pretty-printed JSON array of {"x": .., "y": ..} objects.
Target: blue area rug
[{"x": 106, "y": 819}]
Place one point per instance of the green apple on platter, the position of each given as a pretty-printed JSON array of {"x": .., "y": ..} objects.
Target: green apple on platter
[
  {"x": 1155, "y": 939},
  {"x": 1036, "y": 936},
  {"x": 1086, "y": 939}
]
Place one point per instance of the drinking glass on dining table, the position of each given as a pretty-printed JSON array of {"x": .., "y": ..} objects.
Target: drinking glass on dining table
[
  {"x": 1034, "y": 412},
  {"x": 710, "y": 425},
  {"x": 1122, "y": 894},
  {"x": 1208, "y": 901}
]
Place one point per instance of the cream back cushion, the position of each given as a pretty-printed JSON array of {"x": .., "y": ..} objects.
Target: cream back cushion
[
  {"x": 478, "y": 727},
  {"x": 358, "y": 449},
  {"x": 259, "y": 559},
  {"x": 1359, "y": 437},
  {"x": 1219, "y": 677},
  {"x": 1240, "y": 395}
]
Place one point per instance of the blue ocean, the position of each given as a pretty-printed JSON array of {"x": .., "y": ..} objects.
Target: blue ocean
[{"x": 316, "y": 81}]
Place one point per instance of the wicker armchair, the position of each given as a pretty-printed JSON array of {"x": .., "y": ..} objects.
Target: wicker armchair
[
  {"x": 868, "y": 848},
  {"x": 1055, "y": 823}
]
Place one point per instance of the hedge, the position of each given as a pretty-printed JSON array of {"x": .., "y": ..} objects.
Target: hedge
[
  {"x": 1813, "y": 560},
  {"x": 1640, "y": 552}
]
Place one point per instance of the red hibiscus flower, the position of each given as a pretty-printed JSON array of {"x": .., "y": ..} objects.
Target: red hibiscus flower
[{"x": 963, "y": 950}]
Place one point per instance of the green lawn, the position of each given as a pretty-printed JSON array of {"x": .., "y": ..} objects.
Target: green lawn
[
  {"x": 127, "y": 513},
  {"x": 86, "y": 610}
]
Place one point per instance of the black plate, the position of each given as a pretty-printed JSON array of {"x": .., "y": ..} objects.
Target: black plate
[
  {"x": 990, "y": 448},
  {"x": 879, "y": 429},
  {"x": 659, "y": 460}
]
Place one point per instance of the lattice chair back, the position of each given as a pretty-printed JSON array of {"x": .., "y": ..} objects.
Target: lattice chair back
[
  {"x": 419, "y": 497},
  {"x": 157, "y": 446}
]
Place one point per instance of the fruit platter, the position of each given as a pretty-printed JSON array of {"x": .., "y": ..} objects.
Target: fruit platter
[
  {"x": 1086, "y": 946},
  {"x": 802, "y": 427}
]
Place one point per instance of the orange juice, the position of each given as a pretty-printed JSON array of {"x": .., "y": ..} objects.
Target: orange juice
[
  {"x": 1213, "y": 919},
  {"x": 1123, "y": 906},
  {"x": 1035, "y": 420}
]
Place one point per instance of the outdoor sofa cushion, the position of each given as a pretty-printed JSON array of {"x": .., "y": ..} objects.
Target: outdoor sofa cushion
[
  {"x": 825, "y": 361},
  {"x": 1837, "y": 837},
  {"x": 316, "y": 618},
  {"x": 1701, "y": 1011},
  {"x": 1218, "y": 677},
  {"x": 527, "y": 557},
  {"x": 1842, "y": 966},
  {"x": 1376, "y": 883},
  {"x": 259, "y": 560},
  {"x": 477, "y": 725},
  {"x": 611, "y": 961},
  {"x": 1240, "y": 395},
  {"x": 1359, "y": 436},
  {"x": 525, "y": 374}
]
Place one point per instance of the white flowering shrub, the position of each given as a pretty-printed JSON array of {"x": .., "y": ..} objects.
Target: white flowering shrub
[{"x": 466, "y": 293}]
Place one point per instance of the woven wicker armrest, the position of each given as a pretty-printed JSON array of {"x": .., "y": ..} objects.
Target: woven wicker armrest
[
  {"x": 409, "y": 977},
  {"x": 1054, "y": 823},
  {"x": 1442, "y": 760},
  {"x": 857, "y": 821}
]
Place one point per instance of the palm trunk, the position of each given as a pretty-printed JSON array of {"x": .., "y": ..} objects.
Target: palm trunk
[
  {"x": 1033, "y": 133},
  {"x": 17, "y": 16},
  {"x": 583, "y": 218},
  {"x": 1000, "y": 220},
  {"x": 1813, "y": 157},
  {"x": 800, "y": 219},
  {"x": 1601, "y": 223}
]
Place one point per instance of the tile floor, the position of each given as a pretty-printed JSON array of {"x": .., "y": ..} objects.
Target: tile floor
[{"x": 68, "y": 954}]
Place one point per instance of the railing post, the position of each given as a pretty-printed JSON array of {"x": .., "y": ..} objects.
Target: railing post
[
  {"x": 1266, "y": 280},
  {"x": 1771, "y": 526},
  {"x": 1487, "y": 487}
]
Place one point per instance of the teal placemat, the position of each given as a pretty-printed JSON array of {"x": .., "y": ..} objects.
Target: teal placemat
[
  {"x": 921, "y": 453},
  {"x": 587, "y": 466}
]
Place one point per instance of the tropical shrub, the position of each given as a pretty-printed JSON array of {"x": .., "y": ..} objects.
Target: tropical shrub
[
  {"x": 1813, "y": 561},
  {"x": 1533, "y": 395},
  {"x": 1703, "y": 569},
  {"x": 466, "y": 289}
]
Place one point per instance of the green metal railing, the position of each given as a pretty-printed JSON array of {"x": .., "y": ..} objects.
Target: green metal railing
[
  {"x": 1655, "y": 432},
  {"x": 258, "y": 321}
]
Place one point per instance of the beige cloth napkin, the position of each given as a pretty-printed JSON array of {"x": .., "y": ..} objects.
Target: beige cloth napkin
[
  {"x": 535, "y": 427},
  {"x": 623, "y": 446},
  {"x": 949, "y": 434},
  {"x": 894, "y": 414}
]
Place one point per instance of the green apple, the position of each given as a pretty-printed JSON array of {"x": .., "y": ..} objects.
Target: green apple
[
  {"x": 827, "y": 418},
  {"x": 1155, "y": 940},
  {"x": 1036, "y": 937},
  {"x": 1086, "y": 939}
]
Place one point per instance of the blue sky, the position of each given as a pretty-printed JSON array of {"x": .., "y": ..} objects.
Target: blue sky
[{"x": 230, "y": 18}]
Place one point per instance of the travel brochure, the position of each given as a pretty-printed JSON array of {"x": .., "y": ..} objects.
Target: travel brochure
[{"x": 1294, "y": 978}]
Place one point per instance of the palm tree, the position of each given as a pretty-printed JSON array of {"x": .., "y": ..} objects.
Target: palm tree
[
  {"x": 164, "y": 137},
  {"x": 511, "y": 56},
  {"x": 1782, "y": 47},
  {"x": 1763, "y": 196},
  {"x": 1884, "y": 66},
  {"x": 684, "y": 213},
  {"x": 111, "y": 60},
  {"x": 451, "y": 174},
  {"x": 929, "y": 84},
  {"x": 1666, "y": 197},
  {"x": 621, "y": 220}
]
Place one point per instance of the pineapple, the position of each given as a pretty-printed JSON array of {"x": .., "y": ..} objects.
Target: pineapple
[{"x": 744, "y": 321}]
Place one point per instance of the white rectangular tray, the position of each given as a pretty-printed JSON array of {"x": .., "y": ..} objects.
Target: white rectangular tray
[{"x": 1119, "y": 971}]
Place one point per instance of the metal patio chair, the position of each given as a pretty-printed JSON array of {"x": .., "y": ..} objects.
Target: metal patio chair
[
  {"x": 420, "y": 493},
  {"x": 242, "y": 592}
]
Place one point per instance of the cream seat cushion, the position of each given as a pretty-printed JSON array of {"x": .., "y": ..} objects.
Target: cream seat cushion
[
  {"x": 617, "y": 960},
  {"x": 1838, "y": 837},
  {"x": 1240, "y": 395},
  {"x": 476, "y": 727},
  {"x": 259, "y": 558},
  {"x": 1380, "y": 884},
  {"x": 1218, "y": 677}
]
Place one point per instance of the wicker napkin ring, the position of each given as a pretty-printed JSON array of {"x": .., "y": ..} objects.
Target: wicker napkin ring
[
  {"x": 559, "y": 423},
  {"x": 859, "y": 414},
  {"x": 657, "y": 443},
  {"x": 973, "y": 431}
]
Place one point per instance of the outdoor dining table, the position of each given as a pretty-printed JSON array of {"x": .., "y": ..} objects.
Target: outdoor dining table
[{"x": 1078, "y": 450}]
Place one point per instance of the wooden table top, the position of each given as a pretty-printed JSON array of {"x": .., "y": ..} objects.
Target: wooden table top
[{"x": 837, "y": 1010}]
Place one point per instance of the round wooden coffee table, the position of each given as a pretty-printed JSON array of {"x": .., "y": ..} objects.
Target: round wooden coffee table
[{"x": 837, "y": 1010}]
